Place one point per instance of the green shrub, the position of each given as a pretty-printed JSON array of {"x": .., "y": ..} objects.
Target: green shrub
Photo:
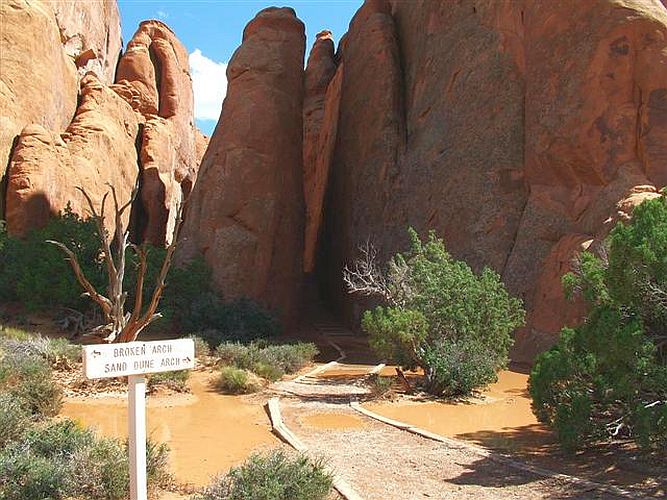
[
  {"x": 101, "y": 470},
  {"x": 202, "y": 349},
  {"x": 29, "y": 379},
  {"x": 608, "y": 376},
  {"x": 61, "y": 354},
  {"x": 267, "y": 371},
  {"x": 458, "y": 367},
  {"x": 14, "y": 419},
  {"x": 268, "y": 361},
  {"x": 235, "y": 381},
  {"x": 176, "y": 380},
  {"x": 289, "y": 358},
  {"x": 235, "y": 354},
  {"x": 36, "y": 274},
  {"x": 441, "y": 316},
  {"x": 380, "y": 385},
  {"x": 241, "y": 320},
  {"x": 25, "y": 475},
  {"x": 58, "y": 353},
  {"x": 157, "y": 463},
  {"x": 273, "y": 476},
  {"x": 7, "y": 332},
  {"x": 60, "y": 459}
]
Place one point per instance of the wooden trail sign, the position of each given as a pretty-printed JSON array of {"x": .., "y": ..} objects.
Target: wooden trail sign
[{"x": 134, "y": 360}]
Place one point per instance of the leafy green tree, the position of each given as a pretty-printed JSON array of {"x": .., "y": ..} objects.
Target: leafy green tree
[
  {"x": 439, "y": 315},
  {"x": 608, "y": 376},
  {"x": 35, "y": 273}
]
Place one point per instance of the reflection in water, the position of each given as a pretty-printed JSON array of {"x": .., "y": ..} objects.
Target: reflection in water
[{"x": 206, "y": 431}]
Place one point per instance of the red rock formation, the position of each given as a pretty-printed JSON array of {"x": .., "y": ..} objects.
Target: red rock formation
[
  {"x": 246, "y": 210},
  {"x": 518, "y": 130},
  {"x": 154, "y": 77},
  {"x": 320, "y": 70},
  {"x": 589, "y": 97},
  {"x": 97, "y": 148},
  {"x": 370, "y": 134},
  {"x": 90, "y": 34},
  {"x": 38, "y": 82}
]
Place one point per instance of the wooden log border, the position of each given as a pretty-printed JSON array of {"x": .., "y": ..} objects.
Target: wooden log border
[
  {"x": 279, "y": 427},
  {"x": 484, "y": 452}
]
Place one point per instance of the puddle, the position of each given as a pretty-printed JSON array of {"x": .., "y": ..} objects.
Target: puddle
[
  {"x": 333, "y": 421},
  {"x": 502, "y": 419},
  {"x": 207, "y": 432},
  {"x": 346, "y": 371}
]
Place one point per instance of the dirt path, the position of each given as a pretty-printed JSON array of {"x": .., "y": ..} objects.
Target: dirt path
[{"x": 382, "y": 462}]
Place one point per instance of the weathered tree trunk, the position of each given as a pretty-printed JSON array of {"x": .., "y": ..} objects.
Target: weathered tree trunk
[{"x": 121, "y": 326}]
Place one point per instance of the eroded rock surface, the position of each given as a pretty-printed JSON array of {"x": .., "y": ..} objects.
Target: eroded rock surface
[
  {"x": 154, "y": 77},
  {"x": 97, "y": 148},
  {"x": 320, "y": 69},
  {"x": 246, "y": 210},
  {"x": 90, "y": 34},
  {"x": 520, "y": 131},
  {"x": 38, "y": 81}
]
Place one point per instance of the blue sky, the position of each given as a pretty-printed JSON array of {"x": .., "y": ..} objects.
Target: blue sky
[{"x": 212, "y": 29}]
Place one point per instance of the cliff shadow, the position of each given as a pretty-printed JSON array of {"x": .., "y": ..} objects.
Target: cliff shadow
[{"x": 618, "y": 464}]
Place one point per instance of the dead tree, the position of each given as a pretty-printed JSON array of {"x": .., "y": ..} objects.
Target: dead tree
[
  {"x": 121, "y": 326},
  {"x": 365, "y": 277}
]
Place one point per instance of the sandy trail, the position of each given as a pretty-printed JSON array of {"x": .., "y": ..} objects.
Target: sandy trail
[{"x": 382, "y": 462}]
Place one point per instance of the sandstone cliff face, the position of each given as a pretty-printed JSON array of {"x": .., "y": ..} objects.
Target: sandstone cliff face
[
  {"x": 246, "y": 210},
  {"x": 320, "y": 70},
  {"x": 519, "y": 130},
  {"x": 154, "y": 77},
  {"x": 38, "y": 81},
  {"x": 370, "y": 136},
  {"x": 587, "y": 134},
  {"x": 46, "y": 168},
  {"x": 90, "y": 34},
  {"x": 139, "y": 130}
]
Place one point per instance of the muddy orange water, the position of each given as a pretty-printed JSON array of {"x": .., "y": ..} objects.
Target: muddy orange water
[
  {"x": 333, "y": 421},
  {"x": 343, "y": 371},
  {"x": 207, "y": 432},
  {"x": 501, "y": 419}
]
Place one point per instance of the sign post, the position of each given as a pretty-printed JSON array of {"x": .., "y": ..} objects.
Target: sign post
[
  {"x": 134, "y": 360},
  {"x": 136, "y": 418}
]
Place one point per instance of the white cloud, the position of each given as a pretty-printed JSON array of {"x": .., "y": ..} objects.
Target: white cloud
[
  {"x": 209, "y": 84},
  {"x": 162, "y": 14}
]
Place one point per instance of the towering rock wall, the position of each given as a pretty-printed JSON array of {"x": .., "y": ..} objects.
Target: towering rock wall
[
  {"x": 45, "y": 48},
  {"x": 138, "y": 131},
  {"x": 153, "y": 75},
  {"x": 519, "y": 130},
  {"x": 38, "y": 81},
  {"x": 97, "y": 148},
  {"x": 90, "y": 34},
  {"x": 320, "y": 69},
  {"x": 596, "y": 77},
  {"x": 246, "y": 212}
]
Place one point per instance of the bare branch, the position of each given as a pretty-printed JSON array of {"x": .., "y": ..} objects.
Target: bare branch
[
  {"x": 103, "y": 302},
  {"x": 140, "y": 252},
  {"x": 365, "y": 276},
  {"x": 135, "y": 327},
  {"x": 122, "y": 326}
]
